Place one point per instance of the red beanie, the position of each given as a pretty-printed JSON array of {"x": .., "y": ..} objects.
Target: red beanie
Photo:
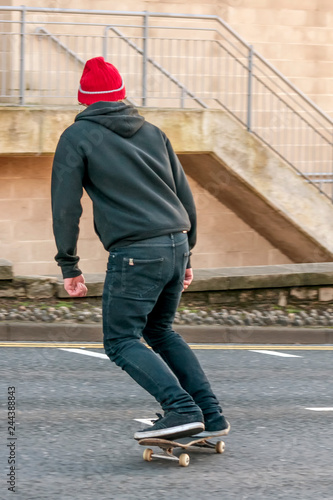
[{"x": 100, "y": 81}]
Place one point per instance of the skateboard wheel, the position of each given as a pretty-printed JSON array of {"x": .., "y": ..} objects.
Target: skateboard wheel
[
  {"x": 220, "y": 447},
  {"x": 184, "y": 460},
  {"x": 147, "y": 455}
]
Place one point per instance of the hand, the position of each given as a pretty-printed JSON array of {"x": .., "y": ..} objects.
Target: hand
[
  {"x": 75, "y": 287},
  {"x": 188, "y": 278}
]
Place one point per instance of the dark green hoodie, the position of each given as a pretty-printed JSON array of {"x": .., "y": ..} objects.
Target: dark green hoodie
[{"x": 132, "y": 175}]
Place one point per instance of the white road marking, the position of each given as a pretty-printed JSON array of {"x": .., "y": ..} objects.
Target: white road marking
[
  {"x": 147, "y": 421},
  {"x": 104, "y": 356},
  {"x": 87, "y": 353},
  {"x": 223, "y": 347},
  {"x": 320, "y": 409},
  {"x": 276, "y": 353}
]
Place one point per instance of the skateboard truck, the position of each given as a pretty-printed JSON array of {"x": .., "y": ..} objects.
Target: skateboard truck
[{"x": 168, "y": 447}]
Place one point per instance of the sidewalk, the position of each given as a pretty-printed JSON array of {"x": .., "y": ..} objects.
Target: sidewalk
[
  {"x": 283, "y": 304},
  {"x": 73, "y": 332}
]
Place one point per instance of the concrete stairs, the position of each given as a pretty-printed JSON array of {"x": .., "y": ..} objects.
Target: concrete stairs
[{"x": 260, "y": 187}]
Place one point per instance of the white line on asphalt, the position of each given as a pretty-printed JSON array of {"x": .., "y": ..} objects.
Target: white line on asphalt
[
  {"x": 146, "y": 421},
  {"x": 104, "y": 356},
  {"x": 276, "y": 353},
  {"x": 320, "y": 409},
  {"x": 87, "y": 353}
]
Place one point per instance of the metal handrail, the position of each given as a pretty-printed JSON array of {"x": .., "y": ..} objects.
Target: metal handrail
[
  {"x": 294, "y": 111},
  {"x": 66, "y": 49},
  {"x": 166, "y": 73},
  {"x": 179, "y": 16},
  {"x": 293, "y": 88},
  {"x": 60, "y": 44},
  {"x": 173, "y": 15},
  {"x": 153, "y": 62}
]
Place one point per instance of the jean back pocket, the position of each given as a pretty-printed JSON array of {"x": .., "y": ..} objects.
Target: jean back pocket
[{"x": 141, "y": 277}]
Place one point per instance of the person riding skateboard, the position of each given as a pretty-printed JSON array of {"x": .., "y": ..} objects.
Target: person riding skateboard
[{"x": 144, "y": 215}]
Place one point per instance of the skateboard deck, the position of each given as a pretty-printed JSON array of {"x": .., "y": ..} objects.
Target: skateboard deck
[{"x": 168, "y": 446}]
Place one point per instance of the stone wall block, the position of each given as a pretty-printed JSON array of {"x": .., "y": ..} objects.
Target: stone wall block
[
  {"x": 226, "y": 298},
  {"x": 10, "y": 290},
  {"x": 41, "y": 288},
  {"x": 283, "y": 298},
  {"x": 246, "y": 296},
  {"x": 304, "y": 293},
  {"x": 6, "y": 270},
  {"x": 326, "y": 294},
  {"x": 94, "y": 290},
  {"x": 195, "y": 299},
  {"x": 267, "y": 295}
]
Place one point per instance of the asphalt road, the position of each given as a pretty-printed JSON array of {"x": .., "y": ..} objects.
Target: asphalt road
[{"x": 74, "y": 421}]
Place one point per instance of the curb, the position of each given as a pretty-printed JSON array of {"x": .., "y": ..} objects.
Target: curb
[{"x": 74, "y": 332}]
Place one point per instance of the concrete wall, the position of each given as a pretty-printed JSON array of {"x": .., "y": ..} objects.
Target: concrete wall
[
  {"x": 26, "y": 237},
  {"x": 296, "y": 37},
  {"x": 253, "y": 209}
]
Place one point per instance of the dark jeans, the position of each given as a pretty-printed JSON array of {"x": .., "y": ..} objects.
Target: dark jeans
[{"x": 143, "y": 286}]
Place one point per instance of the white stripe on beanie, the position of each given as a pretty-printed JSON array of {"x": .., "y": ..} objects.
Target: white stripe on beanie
[{"x": 102, "y": 91}]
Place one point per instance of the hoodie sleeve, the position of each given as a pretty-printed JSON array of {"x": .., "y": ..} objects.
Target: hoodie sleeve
[
  {"x": 66, "y": 192},
  {"x": 184, "y": 193}
]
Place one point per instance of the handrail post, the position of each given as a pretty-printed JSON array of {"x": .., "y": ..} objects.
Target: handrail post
[
  {"x": 105, "y": 42},
  {"x": 22, "y": 56},
  {"x": 249, "y": 89},
  {"x": 145, "y": 58},
  {"x": 182, "y": 97},
  {"x": 331, "y": 161}
]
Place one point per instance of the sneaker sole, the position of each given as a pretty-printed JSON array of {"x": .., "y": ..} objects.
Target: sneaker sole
[
  {"x": 172, "y": 432},
  {"x": 207, "y": 434}
]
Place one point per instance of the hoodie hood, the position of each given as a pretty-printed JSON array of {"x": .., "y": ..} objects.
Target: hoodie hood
[{"x": 121, "y": 118}]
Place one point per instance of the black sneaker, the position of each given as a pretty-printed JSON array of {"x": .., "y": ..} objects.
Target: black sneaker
[
  {"x": 215, "y": 425},
  {"x": 173, "y": 425}
]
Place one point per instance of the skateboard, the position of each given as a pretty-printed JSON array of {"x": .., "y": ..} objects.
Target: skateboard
[{"x": 168, "y": 446}]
